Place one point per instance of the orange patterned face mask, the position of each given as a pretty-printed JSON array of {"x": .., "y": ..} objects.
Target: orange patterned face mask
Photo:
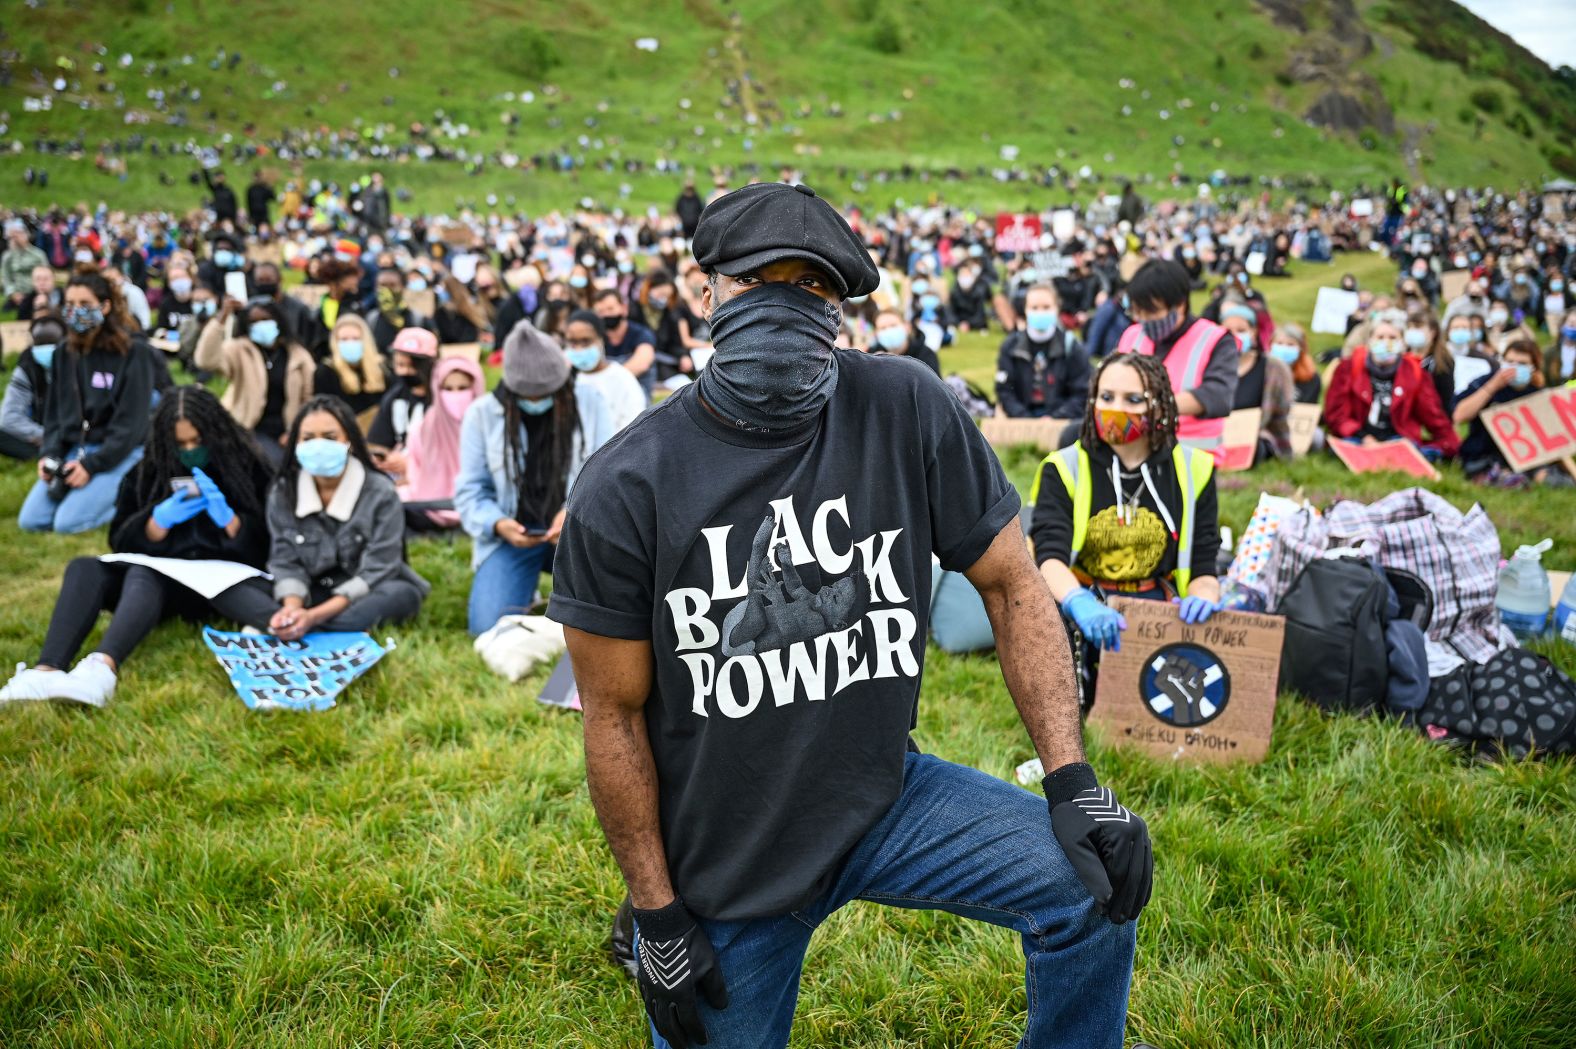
[{"x": 1118, "y": 427}]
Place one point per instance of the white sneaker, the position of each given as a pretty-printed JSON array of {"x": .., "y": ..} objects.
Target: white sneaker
[
  {"x": 30, "y": 684},
  {"x": 90, "y": 683}
]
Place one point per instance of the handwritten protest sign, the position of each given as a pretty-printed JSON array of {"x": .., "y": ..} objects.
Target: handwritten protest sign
[
  {"x": 270, "y": 674},
  {"x": 270, "y": 252},
  {"x": 1006, "y": 433},
  {"x": 1534, "y": 430},
  {"x": 1331, "y": 310},
  {"x": 1241, "y": 439},
  {"x": 424, "y": 302},
  {"x": 1190, "y": 693},
  {"x": 15, "y": 335},
  {"x": 1304, "y": 423},
  {"x": 471, "y": 351},
  {"x": 1017, "y": 233},
  {"x": 1452, "y": 284},
  {"x": 309, "y": 294},
  {"x": 1400, "y": 455}
]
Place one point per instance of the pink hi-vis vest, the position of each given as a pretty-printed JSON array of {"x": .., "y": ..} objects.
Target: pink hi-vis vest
[{"x": 1185, "y": 364}]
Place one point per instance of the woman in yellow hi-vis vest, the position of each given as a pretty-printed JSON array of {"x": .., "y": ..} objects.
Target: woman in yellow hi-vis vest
[{"x": 1127, "y": 510}]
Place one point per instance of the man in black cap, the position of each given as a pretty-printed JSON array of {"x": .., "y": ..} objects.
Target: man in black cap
[{"x": 744, "y": 581}]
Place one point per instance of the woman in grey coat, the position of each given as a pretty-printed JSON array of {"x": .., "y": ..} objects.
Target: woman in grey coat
[{"x": 337, "y": 537}]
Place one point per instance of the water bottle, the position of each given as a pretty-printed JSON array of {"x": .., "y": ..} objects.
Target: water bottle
[
  {"x": 1523, "y": 599},
  {"x": 1565, "y": 614}
]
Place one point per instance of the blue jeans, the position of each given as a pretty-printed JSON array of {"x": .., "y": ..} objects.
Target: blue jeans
[
  {"x": 505, "y": 583},
  {"x": 83, "y": 509},
  {"x": 960, "y": 841}
]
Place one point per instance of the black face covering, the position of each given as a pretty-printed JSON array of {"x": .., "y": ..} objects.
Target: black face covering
[{"x": 774, "y": 367}]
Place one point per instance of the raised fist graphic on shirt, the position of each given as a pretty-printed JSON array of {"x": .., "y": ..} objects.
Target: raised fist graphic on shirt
[{"x": 778, "y": 610}]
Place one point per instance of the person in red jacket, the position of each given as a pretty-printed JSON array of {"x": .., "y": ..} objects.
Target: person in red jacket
[{"x": 1381, "y": 393}]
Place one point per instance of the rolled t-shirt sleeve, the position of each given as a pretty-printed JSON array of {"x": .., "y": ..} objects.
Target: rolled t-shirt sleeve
[
  {"x": 600, "y": 586},
  {"x": 970, "y": 498}
]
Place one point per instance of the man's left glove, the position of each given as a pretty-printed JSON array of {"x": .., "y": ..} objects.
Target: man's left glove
[
  {"x": 1107, "y": 845},
  {"x": 675, "y": 960}
]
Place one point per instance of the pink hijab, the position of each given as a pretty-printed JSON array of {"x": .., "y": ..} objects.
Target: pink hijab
[{"x": 432, "y": 450}]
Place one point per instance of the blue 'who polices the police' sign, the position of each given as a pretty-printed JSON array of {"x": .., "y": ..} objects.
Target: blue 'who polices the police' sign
[{"x": 271, "y": 674}]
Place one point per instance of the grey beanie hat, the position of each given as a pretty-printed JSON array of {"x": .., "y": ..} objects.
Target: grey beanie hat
[{"x": 533, "y": 365}]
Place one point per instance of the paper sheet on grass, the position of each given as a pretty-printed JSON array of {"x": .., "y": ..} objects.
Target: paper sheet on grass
[{"x": 208, "y": 578}]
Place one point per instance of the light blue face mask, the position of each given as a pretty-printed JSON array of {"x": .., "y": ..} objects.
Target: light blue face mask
[
  {"x": 1523, "y": 376},
  {"x": 322, "y": 457},
  {"x": 1040, "y": 320},
  {"x": 535, "y": 406},
  {"x": 265, "y": 333},
  {"x": 891, "y": 339},
  {"x": 226, "y": 259},
  {"x": 44, "y": 353},
  {"x": 1460, "y": 336},
  {"x": 351, "y": 350},
  {"x": 577, "y": 281},
  {"x": 929, "y": 303},
  {"x": 584, "y": 358},
  {"x": 1286, "y": 353}
]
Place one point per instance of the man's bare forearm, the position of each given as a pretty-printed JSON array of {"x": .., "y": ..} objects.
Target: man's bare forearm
[
  {"x": 622, "y": 776},
  {"x": 1036, "y": 659}
]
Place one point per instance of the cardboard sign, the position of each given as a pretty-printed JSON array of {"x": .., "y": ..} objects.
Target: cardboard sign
[
  {"x": 471, "y": 351},
  {"x": 1240, "y": 443},
  {"x": 1332, "y": 309},
  {"x": 1190, "y": 693},
  {"x": 1400, "y": 455},
  {"x": 1006, "y": 433},
  {"x": 15, "y": 335},
  {"x": 1453, "y": 284},
  {"x": 424, "y": 302},
  {"x": 309, "y": 294},
  {"x": 270, "y": 252},
  {"x": 1537, "y": 429},
  {"x": 1304, "y": 424},
  {"x": 270, "y": 674},
  {"x": 1017, "y": 233}
]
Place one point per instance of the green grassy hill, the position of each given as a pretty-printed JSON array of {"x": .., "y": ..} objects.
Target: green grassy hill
[{"x": 1345, "y": 90}]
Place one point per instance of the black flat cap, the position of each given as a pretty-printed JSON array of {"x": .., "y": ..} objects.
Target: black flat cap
[{"x": 769, "y": 221}]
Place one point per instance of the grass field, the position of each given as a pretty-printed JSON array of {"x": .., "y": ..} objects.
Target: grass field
[
  {"x": 835, "y": 87},
  {"x": 422, "y": 867}
]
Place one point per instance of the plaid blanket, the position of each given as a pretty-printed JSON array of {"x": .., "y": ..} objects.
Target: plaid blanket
[{"x": 1456, "y": 554}]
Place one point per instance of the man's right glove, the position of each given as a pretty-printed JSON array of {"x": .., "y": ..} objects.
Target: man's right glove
[
  {"x": 1107, "y": 845},
  {"x": 675, "y": 959}
]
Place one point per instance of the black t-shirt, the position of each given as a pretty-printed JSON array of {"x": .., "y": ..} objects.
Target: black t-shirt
[
  {"x": 1378, "y": 425},
  {"x": 277, "y": 364},
  {"x": 399, "y": 412},
  {"x": 783, "y": 698},
  {"x": 1478, "y": 450},
  {"x": 1250, "y": 386}
]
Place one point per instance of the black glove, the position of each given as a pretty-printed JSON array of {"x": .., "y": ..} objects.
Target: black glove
[
  {"x": 1107, "y": 845},
  {"x": 675, "y": 958}
]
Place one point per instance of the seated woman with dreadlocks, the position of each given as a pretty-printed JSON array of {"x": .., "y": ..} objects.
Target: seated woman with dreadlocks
[
  {"x": 520, "y": 452},
  {"x": 1127, "y": 510},
  {"x": 197, "y": 494}
]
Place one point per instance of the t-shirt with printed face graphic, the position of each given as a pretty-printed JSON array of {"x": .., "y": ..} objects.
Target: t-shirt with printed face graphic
[{"x": 783, "y": 580}]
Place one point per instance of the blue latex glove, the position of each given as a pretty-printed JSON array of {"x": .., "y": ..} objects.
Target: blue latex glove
[
  {"x": 177, "y": 509},
  {"x": 1100, "y": 624},
  {"x": 1196, "y": 610},
  {"x": 219, "y": 511}
]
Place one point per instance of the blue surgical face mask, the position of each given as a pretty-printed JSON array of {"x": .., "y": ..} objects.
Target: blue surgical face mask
[
  {"x": 1385, "y": 352},
  {"x": 203, "y": 307},
  {"x": 322, "y": 457},
  {"x": 1242, "y": 278},
  {"x": 584, "y": 358},
  {"x": 892, "y": 339},
  {"x": 1460, "y": 336},
  {"x": 1285, "y": 352},
  {"x": 226, "y": 259},
  {"x": 181, "y": 287},
  {"x": 43, "y": 353},
  {"x": 1040, "y": 320},
  {"x": 577, "y": 281},
  {"x": 535, "y": 405},
  {"x": 921, "y": 287},
  {"x": 1245, "y": 339},
  {"x": 1416, "y": 338},
  {"x": 351, "y": 350},
  {"x": 929, "y": 303},
  {"x": 265, "y": 333},
  {"x": 1523, "y": 376},
  {"x": 415, "y": 284},
  {"x": 83, "y": 319}
]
